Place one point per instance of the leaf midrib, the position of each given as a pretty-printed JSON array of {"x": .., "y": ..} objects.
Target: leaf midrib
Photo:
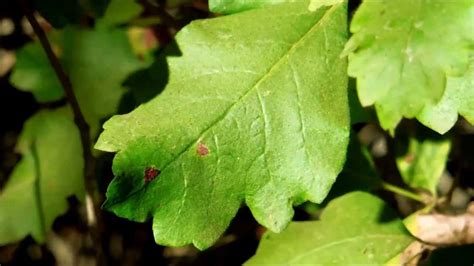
[{"x": 275, "y": 66}]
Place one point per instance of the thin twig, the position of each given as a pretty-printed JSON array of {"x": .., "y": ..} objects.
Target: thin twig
[
  {"x": 93, "y": 212},
  {"x": 403, "y": 192}
]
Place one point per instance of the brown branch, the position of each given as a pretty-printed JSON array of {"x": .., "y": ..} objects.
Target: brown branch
[{"x": 93, "y": 210}]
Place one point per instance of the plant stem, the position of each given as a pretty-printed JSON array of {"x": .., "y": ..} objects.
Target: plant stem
[
  {"x": 402, "y": 192},
  {"x": 93, "y": 211}
]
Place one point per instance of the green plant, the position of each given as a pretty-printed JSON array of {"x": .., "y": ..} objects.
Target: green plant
[{"x": 261, "y": 105}]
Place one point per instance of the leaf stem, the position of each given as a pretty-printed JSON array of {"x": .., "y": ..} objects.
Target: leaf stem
[
  {"x": 402, "y": 192},
  {"x": 93, "y": 214}
]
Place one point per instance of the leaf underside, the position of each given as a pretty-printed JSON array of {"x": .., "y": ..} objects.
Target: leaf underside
[
  {"x": 402, "y": 52},
  {"x": 254, "y": 113},
  {"x": 458, "y": 97},
  {"x": 355, "y": 229}
]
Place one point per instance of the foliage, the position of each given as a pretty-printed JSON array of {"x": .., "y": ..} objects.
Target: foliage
[
  {"x": 268, "y": 104},
  {"x": 350, "y": 232},
  {"x": 243, "y": 146},
  {"x": 402, "y": 52},
  {"x": 37, "y": 190}
]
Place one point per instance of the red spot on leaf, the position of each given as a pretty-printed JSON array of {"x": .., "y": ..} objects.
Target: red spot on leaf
[
  {"x": 151, "y": 173},
  {"x": 202, "y": 149},
  {"x": 409, "y": 158}
]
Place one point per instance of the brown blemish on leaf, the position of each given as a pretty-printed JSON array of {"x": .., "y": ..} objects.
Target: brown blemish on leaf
[
  {"x": 202, "y": 149},
  {"x": 409, "y": 158},
  {"x": 150, "y": 174}
]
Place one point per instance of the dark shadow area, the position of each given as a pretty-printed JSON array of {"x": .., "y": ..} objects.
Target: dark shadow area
[
  {"x": 242, "y": 235},
  {"x": 457, "y": 255},
  {"x": 15, "y": 106},
  {"x": 145, "y": 84}
]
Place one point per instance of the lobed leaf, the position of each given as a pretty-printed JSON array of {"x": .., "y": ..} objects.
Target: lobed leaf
[
  {"x": 458, "y": 97},
  {"x": 402, "y": 51},
  {"x": 356, "y": 228},
  {"x": 254, "y": 113}
]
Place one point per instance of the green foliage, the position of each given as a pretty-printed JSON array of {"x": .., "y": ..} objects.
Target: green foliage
[
  {"x": 119, "y": 12},
  {"x": 88, "y": 57},
  {"x": 236, "y": 6},
  {"x": 37, "y": 190},
  {"x": 421, "y": 159},
  {"x": 356, "y": 228},
  {"x": 256, "y": 108},
  {"x": 458, "y": 97},
  {"x": 402, "y": 52},
  {"x": 34, "y": 73},
  {"x": 245, "y": 117}
]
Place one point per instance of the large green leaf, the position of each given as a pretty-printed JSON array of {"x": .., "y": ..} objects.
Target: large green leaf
[
  {"x": 51, "y": 169},
  {"x": 421, "y": 159},
  {"x": 402, "y": 51},
  {"x": 97, "y": 62},
  {"x": 254, "y": 113},
  {"x": 355, "y": 229},
  {"x": 235, "y": 6},
  {"x": 458, "y": 97}
]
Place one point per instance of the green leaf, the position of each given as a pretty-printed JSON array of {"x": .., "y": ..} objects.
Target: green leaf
[
  {"x": 421, "y": 159},
  {"x": 236, "y": 6},
  {"x": 357, "y": 228},
  {"x": 402, "y": 51},
  {"x": 51, "y": 169},
  {"x": 119, "y": 12},
  {"x": 458, "y": 97},
  {"x": 33, "y": 72},
  {"x": 256, "y": 113},
  {"x": 97, "y": 62}
]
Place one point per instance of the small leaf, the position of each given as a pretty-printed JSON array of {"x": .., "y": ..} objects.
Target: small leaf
[
  {"x": 402, "y": 51},
  {"x": 458, "y": 97},
  {"x": 119, "y": 12},
  {"x": 256, "y": 113},
  {"x": 96, "y": 61},
  {"x": 357, "y": 228},
  {"x": 33, "y": 72},
  {"x": 421, "y": 159},
  {"x": 51, "y": 169}
]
